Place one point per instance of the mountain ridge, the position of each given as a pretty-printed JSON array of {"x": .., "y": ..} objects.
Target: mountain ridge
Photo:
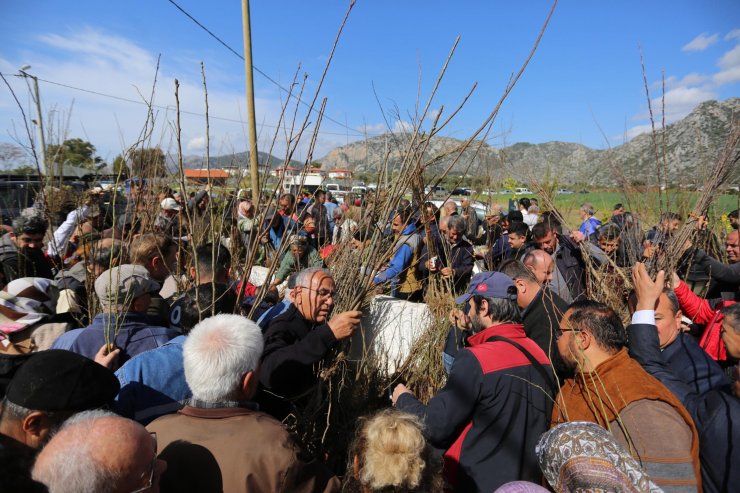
[{"x": 690, "y": 145}]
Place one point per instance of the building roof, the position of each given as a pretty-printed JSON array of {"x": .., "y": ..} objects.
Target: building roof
[
  {"x": 339, "y": 170},
  {"x": 310, "y": 170},
  {"x": 203, "y": 173}
]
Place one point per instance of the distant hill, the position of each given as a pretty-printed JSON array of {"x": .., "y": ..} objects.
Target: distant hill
[
  {"x": 238, "y": 160},
  {"x": 691, "y": 146}
]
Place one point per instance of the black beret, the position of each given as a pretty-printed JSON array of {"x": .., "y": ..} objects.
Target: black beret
[
  {"x": 59, "y": 380},
  {"x": 9, "y": 364}
]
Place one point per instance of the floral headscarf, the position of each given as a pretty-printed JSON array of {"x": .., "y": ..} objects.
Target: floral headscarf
[{"x": 583, "y": 457}]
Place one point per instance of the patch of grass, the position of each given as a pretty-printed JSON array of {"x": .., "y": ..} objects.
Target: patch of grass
[{"x": 645, "y": 204}]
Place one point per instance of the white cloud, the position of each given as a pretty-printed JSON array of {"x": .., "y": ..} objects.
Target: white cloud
[
  {"x": 728, "y": 76},
  {"x": 685, "y": 93},
  {"x": 399, "y": 126},
  {"x": 692, "y": 79},
  {"x": 637, "y": 130},
  {"x": 734, "y": 34},
  {"x": 432, "y": 115},
  {"x": 196, "y": 144},
  {"x": 701, "y": 42},
  {"x": 402, "y": 126},
  {"x": 109, "y": 64},
  {"x": 730, "y": 67},
  {"x": 679, "y": 102},
  {"x": 683, "y": 97},
  {"x": 730, "y": 59},
  {"x": 373, "y": 128},
  {"x": 101, "y": 50}
]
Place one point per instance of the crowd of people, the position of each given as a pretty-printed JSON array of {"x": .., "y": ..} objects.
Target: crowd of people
[{"x": 135, "y": 357}]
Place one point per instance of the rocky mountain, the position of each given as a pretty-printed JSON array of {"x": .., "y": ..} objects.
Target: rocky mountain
[{"x": 690, "y": 146}]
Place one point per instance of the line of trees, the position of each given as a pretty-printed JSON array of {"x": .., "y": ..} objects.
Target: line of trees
[
  {"x": 148, "y": 161},
  {"x": 74, "y": 152}
]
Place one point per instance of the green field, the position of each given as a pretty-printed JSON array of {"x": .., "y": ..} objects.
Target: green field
[{"x": 646, "y": 205}]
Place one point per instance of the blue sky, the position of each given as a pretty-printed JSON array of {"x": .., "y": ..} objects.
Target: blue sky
[{"x": 583, "y": 85}]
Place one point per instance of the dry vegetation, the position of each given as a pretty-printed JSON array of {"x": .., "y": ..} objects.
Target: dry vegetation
[{"x": 348, "y": 389}]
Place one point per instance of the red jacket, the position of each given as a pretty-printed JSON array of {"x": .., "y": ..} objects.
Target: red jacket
[
  {"x": 700, "y": 311},
  {"x": 490, "y": 413}
]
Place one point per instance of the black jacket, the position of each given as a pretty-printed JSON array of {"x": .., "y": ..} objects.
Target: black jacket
[
  {"x": 519, "y": 253},
  {"x": 569, "y": 261},
  {"x": 492, "y": 234},
  {"x": 541, "y": 320},
  {"x": 293, "y": 345},
  {"x": 692, "y": 365},
  {"x": 716, "y": 413},
  {"x": 725, "y": 278},
  {"x": 436, "y": 237},
  {"x": 490, "y": 413},
  {"x": 461, "y": 260},
  {"x": 321, "y": 220}
]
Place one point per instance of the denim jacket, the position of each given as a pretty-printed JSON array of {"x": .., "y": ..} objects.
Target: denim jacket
[{"x": 153, "y": 383}]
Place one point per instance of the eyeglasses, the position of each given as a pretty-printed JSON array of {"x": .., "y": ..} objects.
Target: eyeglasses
[
  {"x": 561, "y": 331},
  {"x": 153, "y": 466},
  {"x": 322, "y": 292}
]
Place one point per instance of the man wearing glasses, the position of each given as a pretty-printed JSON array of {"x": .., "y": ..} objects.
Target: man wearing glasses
[
  {"x": 299, "y": 339},
  {"x": 611, "y": 389}
]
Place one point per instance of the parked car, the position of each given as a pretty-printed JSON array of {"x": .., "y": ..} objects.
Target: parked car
[
  {"x": 437, "y": 191},
  {"x": 522, "y": 191},
  {"x": 461, "y": 191},
  {"x": 564, "y": 191}
]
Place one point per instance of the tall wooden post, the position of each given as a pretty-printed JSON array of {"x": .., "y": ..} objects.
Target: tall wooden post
[{"x": 251, "y": 119}]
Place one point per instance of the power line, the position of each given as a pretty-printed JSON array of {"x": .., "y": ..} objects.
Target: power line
[
  {"x": 158, "y": 106},
  {"x": 232, "y": 50}
]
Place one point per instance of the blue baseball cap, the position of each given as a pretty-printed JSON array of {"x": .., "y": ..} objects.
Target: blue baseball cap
[{"x": 489, "y": 285}]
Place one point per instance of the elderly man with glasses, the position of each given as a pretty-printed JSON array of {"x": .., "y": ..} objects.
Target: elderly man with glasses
[{"x": 299, "y": 339}]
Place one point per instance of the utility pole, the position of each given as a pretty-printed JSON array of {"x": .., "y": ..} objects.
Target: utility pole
[
  {"x": 251, "y": 119},
  {"x": 41, "y": 149}
]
